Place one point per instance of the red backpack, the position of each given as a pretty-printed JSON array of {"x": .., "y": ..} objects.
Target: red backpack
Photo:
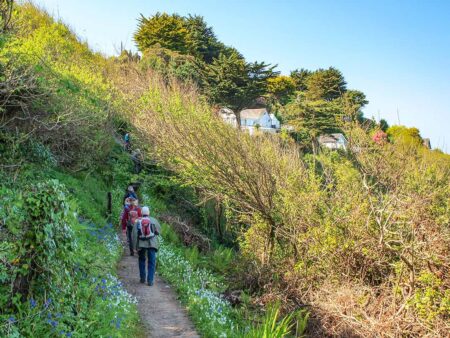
[
  {"x": 147, "y": 229},
  {"x": 133, "y": 216}
]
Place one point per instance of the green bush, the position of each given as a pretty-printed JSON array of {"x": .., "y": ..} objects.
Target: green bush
[
  {"x": 275, "y": 327},
  {"x": 221, "y": 259},
  {"x": 57, "y": 272}
]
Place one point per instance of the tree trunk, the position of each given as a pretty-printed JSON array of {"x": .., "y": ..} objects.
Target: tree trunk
[
  {"x": 238, "y": 119},
  {"x": 271, "y": 243},
  {"x": 219, "y": 211}
]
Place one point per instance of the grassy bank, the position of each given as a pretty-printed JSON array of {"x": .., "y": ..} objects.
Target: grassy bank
[{"x": 59, "y": 255}]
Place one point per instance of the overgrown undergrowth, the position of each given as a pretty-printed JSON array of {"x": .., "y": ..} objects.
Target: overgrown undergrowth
[{"x": 59, "y": 255}]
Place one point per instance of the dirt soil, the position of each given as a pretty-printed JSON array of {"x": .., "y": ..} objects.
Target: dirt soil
[{"x": 161, "y": 313}]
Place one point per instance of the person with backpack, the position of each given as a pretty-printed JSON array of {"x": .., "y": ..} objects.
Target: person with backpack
[
  {"x": 145, "y": 240},
  {"x": 131, "y": 215},
  {"x": 126, "y": 141},
  {"x": 137, "y": 159},
  {"x": 129, "y": 193},
  {"x": 122, "y": 219}
]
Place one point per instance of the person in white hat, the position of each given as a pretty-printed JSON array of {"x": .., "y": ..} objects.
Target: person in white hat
[{"x": 145, "y": 239}]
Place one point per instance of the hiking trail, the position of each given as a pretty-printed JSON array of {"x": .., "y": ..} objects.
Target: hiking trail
[{"x": 162, "y": 315}]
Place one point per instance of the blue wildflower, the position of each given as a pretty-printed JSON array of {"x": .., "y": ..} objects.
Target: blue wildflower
[
  {"x": 69, "y": 334},
  {"x": 32, "y": 303},
  {"x": 12, "y": 319},
  {"x": 47, "y": 302}
]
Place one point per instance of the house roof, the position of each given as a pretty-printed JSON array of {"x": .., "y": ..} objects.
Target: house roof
[
  {"x": 253, "y": 113},
  {"x": 225, "y": 111},
  {"x": 330, "y": 138}
]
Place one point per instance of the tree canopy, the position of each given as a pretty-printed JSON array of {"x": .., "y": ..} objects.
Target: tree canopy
[
  {"x": 313, "y": 118},
  {"x": 187, "y": 48},
  {"x": 300, "y": 76},
  {"x": 186, "y": 35},
  {"x": 233, "y": 82},
  {"x": 281, "y": 88},
  {"x": 404, "y": 135},
  {"x": 325, "y": 84}
]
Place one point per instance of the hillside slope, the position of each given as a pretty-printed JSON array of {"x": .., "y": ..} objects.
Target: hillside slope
[{"x": 359, "y": 239}]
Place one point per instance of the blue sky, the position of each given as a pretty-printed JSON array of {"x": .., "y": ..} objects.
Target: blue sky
[{"x": 396, "y": 51}]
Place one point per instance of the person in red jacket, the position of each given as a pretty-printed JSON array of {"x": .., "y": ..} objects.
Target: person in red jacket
[
  {"x": 131, "y": 214},
  {"x": 124, "y": 214}
]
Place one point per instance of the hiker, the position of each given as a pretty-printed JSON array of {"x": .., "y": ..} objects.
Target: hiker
[
  {"x": 129, "y": 193},
  {"x": 137, "y": 158},
  {"x": 126, "y": 206},
  {"x": 126, "y": 141},
  {"x": 145, "y": 240},
  {"x": 131, "y": 214}
]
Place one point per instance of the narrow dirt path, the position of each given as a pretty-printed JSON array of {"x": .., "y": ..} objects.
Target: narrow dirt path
[{"x": 161, "y": 313}]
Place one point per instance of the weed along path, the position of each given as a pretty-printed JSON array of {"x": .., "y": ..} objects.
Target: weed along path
[{"x": 161, "y": 313}]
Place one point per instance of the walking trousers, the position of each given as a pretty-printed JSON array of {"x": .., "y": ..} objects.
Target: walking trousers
[{"x": 150, "y": 254}]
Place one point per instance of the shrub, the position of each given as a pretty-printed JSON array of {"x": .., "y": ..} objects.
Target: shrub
[{"x": 55, "y": 276}]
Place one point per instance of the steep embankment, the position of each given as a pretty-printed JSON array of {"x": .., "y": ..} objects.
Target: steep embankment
[{"x": 58, "y": 255}]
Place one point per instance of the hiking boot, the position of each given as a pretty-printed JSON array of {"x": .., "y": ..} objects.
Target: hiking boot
[
  {"x": 132, "y": 253},
  {"x": 142, "y": 281},
  {"x": 150, "y": 283}
]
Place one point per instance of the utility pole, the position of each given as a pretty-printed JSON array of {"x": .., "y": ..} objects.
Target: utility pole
[{"x": 398, "y": 117}]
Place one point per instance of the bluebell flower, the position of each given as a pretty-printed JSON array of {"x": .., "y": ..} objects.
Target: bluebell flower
[
  {"x": 69, "y": 334},
  {"x": 47, "y": 302},
  {"x": 12, "y": 319},
  {"x": 32, "y": 303}
]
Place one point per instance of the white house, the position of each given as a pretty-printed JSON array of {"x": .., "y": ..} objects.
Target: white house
[
  {"x": 252, "y": 119},
  {"x": 333, "y": 141},
  {"x": 260, "y": 119},
  {"x": 228, "y": 116}
]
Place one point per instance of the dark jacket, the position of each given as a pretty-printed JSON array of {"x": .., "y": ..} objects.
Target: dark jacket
[{"x": 129, "y": 194}]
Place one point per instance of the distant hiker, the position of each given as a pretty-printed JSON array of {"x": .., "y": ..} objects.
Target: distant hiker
[
  {"x": 131, "y": 214},
  {"x": 137, "y": 158},
  {"x": 129, "y": 193},
  {"x": 126, "y": 141},
  {"x": 145, "y": 240}
]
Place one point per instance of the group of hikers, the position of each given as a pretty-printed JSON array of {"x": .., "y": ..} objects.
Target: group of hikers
[{"x": 142, "y": 233}]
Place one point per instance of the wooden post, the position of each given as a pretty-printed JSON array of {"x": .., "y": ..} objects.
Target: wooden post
[{"x": 109, "y": 205}]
